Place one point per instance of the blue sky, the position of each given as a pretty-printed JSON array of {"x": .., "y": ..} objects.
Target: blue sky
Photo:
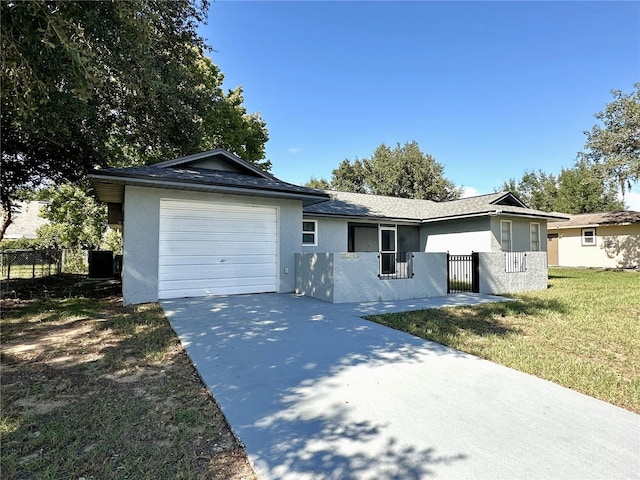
[{"x": 490, "y": 89}]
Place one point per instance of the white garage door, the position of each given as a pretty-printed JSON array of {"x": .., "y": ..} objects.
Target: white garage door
[{"x": 215, "y": 249}]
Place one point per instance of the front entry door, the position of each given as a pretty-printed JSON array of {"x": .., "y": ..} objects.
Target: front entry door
[
  {"x": 552, "y": 249},
  {"x": 387, "y": 242}
]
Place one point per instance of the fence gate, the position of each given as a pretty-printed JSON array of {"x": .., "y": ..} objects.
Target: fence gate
[{"x": 463, "y": 273}]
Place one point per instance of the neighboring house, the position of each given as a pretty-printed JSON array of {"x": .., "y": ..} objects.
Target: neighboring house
[
  {"x": 211, "y": 224},
  {"x": 25, "y": 221},
  {"x": 606, "y": 240}
]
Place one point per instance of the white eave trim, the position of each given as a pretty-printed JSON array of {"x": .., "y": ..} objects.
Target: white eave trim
[
  {"x": 589, "y": 225},
  {"x": 255, "y": 192},
  {"x": 363, "y": 219},
  {"x": 493, "y": 213}
]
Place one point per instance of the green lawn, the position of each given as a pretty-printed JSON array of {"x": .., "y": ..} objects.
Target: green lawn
[{"x": 583, "y": 332}]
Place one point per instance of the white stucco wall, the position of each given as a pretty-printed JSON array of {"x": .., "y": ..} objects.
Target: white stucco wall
[
  {"x": 332, "y": 235},
  {"x": 494, "y": 279},
  {"x": 458, "y": 237},
  {"x": 314, "y": 275},
  {"x": 353, "y": 277},
  {"x": 141, "y": 237},
  {"x": 615, "y": 247},
  {"x": 463, "y": 243}
]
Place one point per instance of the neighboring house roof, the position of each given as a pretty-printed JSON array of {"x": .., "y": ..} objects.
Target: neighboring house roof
[
  {"x": 391, "y": 208},
  {"x": 25, "y": 221},
  {"x": 230, "y": 175},
  {"x": 625, "y": 217}
]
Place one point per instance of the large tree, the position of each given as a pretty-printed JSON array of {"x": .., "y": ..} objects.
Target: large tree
[
  {"x": 615, "y": 144},
  {"x": 583, "y": 189},
  {"x": 536, "y": 189},
  {"x": 580, "y": 189},
  {"x": 76, "y": 219},
  {"x": 87, "y": 84},
  {"x": 351, "y": 176},
  {"x": 404, "y": 171}
]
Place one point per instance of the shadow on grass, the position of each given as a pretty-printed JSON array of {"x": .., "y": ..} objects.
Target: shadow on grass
[
  {"x": 94, "y": 389},
  {"x": 447, "y": 325},
  {"x": 64, "y": 285}
]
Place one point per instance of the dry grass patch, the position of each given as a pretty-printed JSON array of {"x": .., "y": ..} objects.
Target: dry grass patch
[{"x": 96, "y": 390}]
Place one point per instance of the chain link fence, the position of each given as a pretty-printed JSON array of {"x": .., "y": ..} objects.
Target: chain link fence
[{"x": 30, "y": 263}]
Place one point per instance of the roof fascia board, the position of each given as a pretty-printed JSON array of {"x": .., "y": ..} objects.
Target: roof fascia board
[
  {"x": 543, "y": 215},
  {"x": 456, "y": 217},
  {"x": 492, "y": 213},
  {"x": 144, "y": 182},
  {"x": 413, "y": 221},
  {"x": 590, "y": 225}
]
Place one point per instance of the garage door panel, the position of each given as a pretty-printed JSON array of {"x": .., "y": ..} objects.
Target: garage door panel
[
  {"x": 257, "y": 284},
  {"x": 208, "y": 248},
  {"x": 178, "y": 249},
  {"x": 200, "y": 241},
  {"x": 215, "y": 259},
  {"x": 203, "y": 292},
  {"x": 228, "y": 228},
  {"x": 229, "y": 225},
  {"x": 219, "y": 272}
]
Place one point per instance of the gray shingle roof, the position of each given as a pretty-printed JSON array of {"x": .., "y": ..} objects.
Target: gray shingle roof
[
  {"x": 248, "y": 179},
  {"x": 381, "y": 207},
  {"x": 376, "y": 206},
  {"x": 208, "y": 177},
  {"x": 603, "y": 218}
]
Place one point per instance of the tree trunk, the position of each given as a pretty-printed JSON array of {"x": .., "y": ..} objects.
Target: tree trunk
[{"x": 6, "y": 220}]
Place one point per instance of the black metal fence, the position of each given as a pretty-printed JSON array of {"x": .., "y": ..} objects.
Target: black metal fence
[
  {"x": 29, "y": 263},
  {"x": 515, "y": 262},
  {"x": 395, "y": 266},
  {"x": 463, "y": 273}
]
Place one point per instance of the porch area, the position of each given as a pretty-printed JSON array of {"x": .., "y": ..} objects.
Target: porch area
[{"x": 345, "y": 277}]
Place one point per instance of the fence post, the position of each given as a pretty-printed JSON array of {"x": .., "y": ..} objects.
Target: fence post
[
  {"x": 475, "y": 272},
  {"x": 448, "y": 275}
]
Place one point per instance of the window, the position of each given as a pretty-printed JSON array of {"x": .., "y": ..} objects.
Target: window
[
  {"x": 310, "y": 232},
  {"x": 534, "y": 231},
  {"x": 505, "y": 235},
  {"x": 588, "y": 237}
]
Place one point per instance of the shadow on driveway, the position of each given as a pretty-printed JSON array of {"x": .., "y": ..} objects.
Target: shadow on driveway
[{"x": 314, "y": 391}]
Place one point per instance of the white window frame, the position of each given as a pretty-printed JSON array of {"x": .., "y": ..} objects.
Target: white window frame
[
  {"x": 314, "y": 233},
  {"x": 510, "y": 235},
  {"x": 593, "y": 241},
  {"x": 531, "y": 237}
]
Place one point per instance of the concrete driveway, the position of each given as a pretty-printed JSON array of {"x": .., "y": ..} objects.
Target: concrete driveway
[{"x": 314, "y": 391}]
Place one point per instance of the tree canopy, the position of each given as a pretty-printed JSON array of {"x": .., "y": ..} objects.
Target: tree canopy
[
  {"x": 610, "y": 163},
  {"x": 76, "y": 219},
  {"x": 404, "y": 171},
  {"x": 615, "y": 145},
  {"x": 580, "y": 189},
  {"x": 88, "y": 84}
]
